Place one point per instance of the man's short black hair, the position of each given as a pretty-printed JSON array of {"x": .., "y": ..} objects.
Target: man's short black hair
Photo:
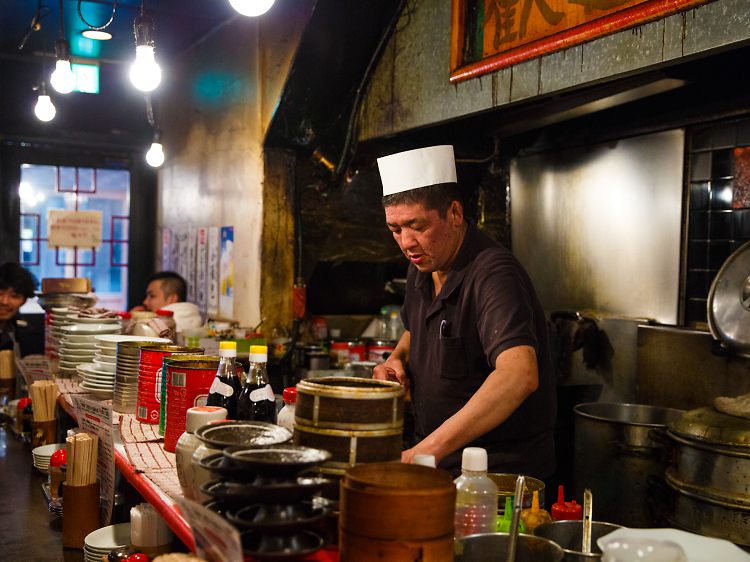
[
  {"x": 13, "y": 276},
  {"x": 438, "y": 197},
  {"x": 172, "y": 283}
]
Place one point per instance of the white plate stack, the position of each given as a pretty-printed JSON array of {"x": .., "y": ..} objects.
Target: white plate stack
[
  {"x": 42, "y": 454},
  {"x": 98, "y": 382},
  {"x": 102, "y": 541},
  {"x": 123, "y": 353},
  {"x": 60, "y": 317},
  {"x": 78, "y": 343}
]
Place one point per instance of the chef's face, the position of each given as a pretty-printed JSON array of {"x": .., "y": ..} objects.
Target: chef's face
[
  {"x": 430, "y": 241},
  {"x": 10, "y": 302},
  {"x": 155, "y": 298}
]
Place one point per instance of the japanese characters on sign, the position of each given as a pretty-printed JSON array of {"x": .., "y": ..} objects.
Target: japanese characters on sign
[
  {"x": 70, "y": 229},
  {"x": 490, "y": 34}
]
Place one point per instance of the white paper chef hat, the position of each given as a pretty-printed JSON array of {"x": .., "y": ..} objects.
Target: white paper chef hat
[{"x": 417, "y": 168}]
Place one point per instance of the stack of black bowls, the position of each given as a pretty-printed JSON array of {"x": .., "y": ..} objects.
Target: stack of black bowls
[{"x": 264, "y": 492}]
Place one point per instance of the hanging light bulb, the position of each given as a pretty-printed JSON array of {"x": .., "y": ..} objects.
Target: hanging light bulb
[
  {"x": 44, "y": 109},
  {"x": 252, "y": 8},
  {"x": 155, "y": 156},
  {"x": 145, "y": 74},
  {"x": 63, "y": 80}
]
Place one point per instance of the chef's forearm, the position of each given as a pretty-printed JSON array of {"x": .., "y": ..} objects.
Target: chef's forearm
[
  {"x": 515, "y": 377},
  {"x": 401, "y": 353}
]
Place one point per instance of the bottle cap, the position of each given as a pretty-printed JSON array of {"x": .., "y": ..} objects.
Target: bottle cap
[
  {"x": 125, "y": 315},
  {"x": 201, "y": 415},
  {"x": 161, "y": 312},
  {"x": 228, "y": 349},
  {"x": 394, "y": 314},
  {"x": 566, "y": 511},
  {"x": 22, "y": 403},
  {"x": 258, "y": 354},
  {"x": 474, "y": 459},
  {"x": 425, "y": 460},
  {"x": 290, "y": 395}
]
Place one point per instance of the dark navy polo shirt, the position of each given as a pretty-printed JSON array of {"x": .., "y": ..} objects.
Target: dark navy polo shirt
[{"x": 486, "y": 306}]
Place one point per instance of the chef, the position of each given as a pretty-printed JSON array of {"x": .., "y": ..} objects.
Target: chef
[{"x": 475, "y": 352}]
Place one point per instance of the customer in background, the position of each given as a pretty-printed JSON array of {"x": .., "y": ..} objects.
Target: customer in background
[
  {"x": 16, "y": 285},
  {"x": 167, "y": 290}
]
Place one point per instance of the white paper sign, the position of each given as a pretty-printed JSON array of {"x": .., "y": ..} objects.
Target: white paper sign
[
  {"x": 96, "y": 418},
  {"x": 68, "y": 229},
  {"x": 182, "y": 254},
  {"x": 213, "y": 270},
  {"x": 201, "y": 277},
  {"x": 192, "y": 251},
  {"x": 166, "y": 236},
  {"x": 216, "y": 540},
  {"x": 174, "y": 251},
  {"x": 34, "y": 368}
]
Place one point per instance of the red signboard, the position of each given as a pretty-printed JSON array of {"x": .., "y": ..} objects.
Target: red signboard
[{"x": 487, "y": 35}]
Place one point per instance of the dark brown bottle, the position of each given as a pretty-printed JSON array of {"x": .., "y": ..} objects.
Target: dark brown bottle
[
  {"x": 226, "y": 386},
  {"x": 257, "y": 401}
]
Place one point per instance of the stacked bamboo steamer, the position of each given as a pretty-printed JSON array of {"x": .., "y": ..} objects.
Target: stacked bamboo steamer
[
  {"x": 396, "y": 512},
  {"x": 357, "y": 420}
]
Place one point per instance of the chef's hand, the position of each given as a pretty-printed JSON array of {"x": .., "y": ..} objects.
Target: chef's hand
[
  {"x": 392, "y": 370},
  {"x": 424, "y": 447}
]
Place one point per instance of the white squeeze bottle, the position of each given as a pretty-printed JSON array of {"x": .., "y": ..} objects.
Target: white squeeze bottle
[{"x": 476, "y": 497}]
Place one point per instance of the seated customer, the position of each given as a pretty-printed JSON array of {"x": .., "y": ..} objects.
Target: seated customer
[
  {"x": 16, "y": 285},
  {"x": 167, "y": 290}
]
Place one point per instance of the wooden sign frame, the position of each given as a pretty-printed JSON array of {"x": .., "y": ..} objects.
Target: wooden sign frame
[{"x": 630, "y": 13}]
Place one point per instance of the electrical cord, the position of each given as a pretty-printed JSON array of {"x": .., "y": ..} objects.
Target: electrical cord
[
  {"x": 80, "y": 15},
  {"x": 39, "y": 14}
]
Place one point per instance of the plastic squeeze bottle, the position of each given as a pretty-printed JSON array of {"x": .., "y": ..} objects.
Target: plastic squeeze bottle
[
  {"x": 533, "y": 517},
  {"x": 476, "y": 497},
  {"x": 286, "y": 415},
  {"x": 503, "y": 522},
  {"x": 566, "y": 511}
]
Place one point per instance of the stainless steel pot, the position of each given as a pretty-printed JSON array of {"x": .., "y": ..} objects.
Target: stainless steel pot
[
  {"x": 709, "y": 449},
  {"x": 614, "y": 456},
  {"x": 708, "y": 512},
  {"x": 493, "y": 547},
  {"x": 569, "y": 534}
]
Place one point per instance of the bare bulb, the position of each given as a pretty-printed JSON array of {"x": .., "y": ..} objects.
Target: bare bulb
[
  {"x": 145, "y": 74},
  {"x": 44, "y": 109},
  {"x": 252, "y": 8},
  {"x": 155, "y": 156},
  {"x": 63, "y": 80}
]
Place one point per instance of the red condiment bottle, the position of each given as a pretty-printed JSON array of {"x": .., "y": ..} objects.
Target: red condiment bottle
[{"x": 565, "y": 511}]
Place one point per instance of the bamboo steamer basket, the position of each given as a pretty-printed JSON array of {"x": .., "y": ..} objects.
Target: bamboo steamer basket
[
  {"x": 393, "y": 511},
  {"x": 355, "y": 548},
  {"x": 349, "y": 404},
  {"x": 348, "y": 448},
  {"x": 394, "y": 501}
]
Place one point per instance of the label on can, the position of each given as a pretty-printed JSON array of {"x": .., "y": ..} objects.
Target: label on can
[
  {"x": 380, "y": 351},
  {"x": 357, "y": 351}
]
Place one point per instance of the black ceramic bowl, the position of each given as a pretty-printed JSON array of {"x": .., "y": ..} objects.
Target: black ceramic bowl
[
  {"x": 277, "y": 518},
  {"x": 263, "y": 546},
  {"x": 230, "y": 433},
  {"x": 223, "y": 467},
  {"x": 243, "y": 493},
  {"x": 278, "y": 461}
]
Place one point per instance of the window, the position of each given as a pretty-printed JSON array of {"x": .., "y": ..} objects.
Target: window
[
  {"x": 718, "y": 222},
  {"x": 44, "y": 188}
]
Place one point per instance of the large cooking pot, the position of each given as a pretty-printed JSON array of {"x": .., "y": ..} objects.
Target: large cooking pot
[
  {"x": 614, "y": 456},
  {"x": 493, "y": 547},
  {"x": 710, "y": 473},
  {"x": 569, "y": 535}
]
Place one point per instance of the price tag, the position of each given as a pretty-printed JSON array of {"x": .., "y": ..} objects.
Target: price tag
[{"x": 215, "y": 539}]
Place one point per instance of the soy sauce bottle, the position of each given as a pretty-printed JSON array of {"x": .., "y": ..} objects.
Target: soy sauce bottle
[
  {"x": 257, "y": 401},
  {"x": 226, "y": 388}
]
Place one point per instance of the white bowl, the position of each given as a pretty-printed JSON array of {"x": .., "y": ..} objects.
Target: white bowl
[
  {"x": 108, "y": 351},
  {"x": 77, "y": 320},
  {"x": 101, "y": 394},
  {"x": 92, "y": 368},
  {"x": 105, "y": 359},
  {"x": 115, "y": 338},
  {"x": 108, "y": 366},
  {"x": 64, "y": 349},
  {"x": 76, "y": 345},
  {"x": 111, "y": 537},
  {"x": 90, "y": 329},
  {"x": 47, "y": 450},
  {"x": 78, "y": 338}
]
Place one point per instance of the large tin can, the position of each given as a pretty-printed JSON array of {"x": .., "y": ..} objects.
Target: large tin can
[
  {"x": 188, "y": 384},
  {"x": 378, "y": 351},
  {"x": 357, "y": 351}
]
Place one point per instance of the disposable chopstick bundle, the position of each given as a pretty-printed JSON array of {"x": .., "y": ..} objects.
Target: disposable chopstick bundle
[
  {"x": 44, "y": 396},
  {"x": 147, "y": 528},
  {"x": 81, "y": 454}
]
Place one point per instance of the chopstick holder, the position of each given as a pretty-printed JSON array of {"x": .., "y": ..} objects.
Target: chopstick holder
[{"x": 81, "y": 513}]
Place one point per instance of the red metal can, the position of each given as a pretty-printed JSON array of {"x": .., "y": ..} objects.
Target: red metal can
[
  {"x": 357, "y": 351},
  {"x": 339, "y": 354},
  {"x": 188, "y": 384},
  {"x": 380, "y": 350},
  {"x": 148, "y": 404}
]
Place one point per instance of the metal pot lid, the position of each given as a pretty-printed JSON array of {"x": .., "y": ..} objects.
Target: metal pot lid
[
  {"x": 712, "y": 427},
  {"x": 729, "y": 302}
]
